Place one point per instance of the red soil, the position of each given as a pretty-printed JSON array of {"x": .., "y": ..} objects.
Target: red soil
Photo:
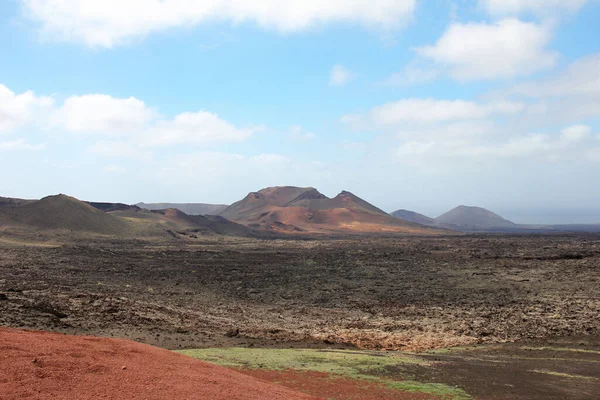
[
  {"x": 41, "y": 365},
  {"x": 332, "y": 387}
]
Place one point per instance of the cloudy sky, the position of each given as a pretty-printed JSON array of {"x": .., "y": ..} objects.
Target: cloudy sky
[{"x": 413, "y": 104}]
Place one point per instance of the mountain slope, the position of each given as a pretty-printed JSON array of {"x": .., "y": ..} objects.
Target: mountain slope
[
  {"x": 188, "y": 208},
  {"x": 473, "y": 218},
  {"x": 412, "y": 216}
]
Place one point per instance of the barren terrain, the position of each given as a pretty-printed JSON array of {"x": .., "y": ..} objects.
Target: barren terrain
[
  {"x": 408, "y": 293},
  {"x": 403, "y": 293}
]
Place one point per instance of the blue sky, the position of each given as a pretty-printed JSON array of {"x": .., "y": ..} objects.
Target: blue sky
[{"x": 409, "y": 104}]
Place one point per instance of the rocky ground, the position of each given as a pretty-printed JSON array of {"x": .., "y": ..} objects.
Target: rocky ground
[{"x": 396, "y": 293}]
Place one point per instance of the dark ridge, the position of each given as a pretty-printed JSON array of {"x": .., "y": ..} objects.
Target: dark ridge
[{"x": 109, "y": 207}]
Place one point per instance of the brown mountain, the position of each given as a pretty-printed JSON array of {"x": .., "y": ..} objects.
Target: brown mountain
[
  {"x": 473, "y": 219},
  {"x": 305, "y": 210},
  {"x": 62, "y": 212}
]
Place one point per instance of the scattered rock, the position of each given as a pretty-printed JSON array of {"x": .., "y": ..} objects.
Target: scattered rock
[{"x": 233, "y": 333}]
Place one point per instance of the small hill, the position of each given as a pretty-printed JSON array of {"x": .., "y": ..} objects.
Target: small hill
[
  {"x": 474, "y": 219},
  {"x": 177, "y": 218},
  {"x": 62, "y": 212},
  {"x": 188, "y": 208},
  {"x": 415, "y": 217},
  {"x": 295, "y": 210}
]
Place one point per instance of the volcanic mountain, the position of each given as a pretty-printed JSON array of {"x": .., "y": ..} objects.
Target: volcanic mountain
[
  {"x": 188, "y": 208},
  {"x": 305, "y": 210},
  {"x": 474, "y": 219},
  {"x": 62, "y": 212}
]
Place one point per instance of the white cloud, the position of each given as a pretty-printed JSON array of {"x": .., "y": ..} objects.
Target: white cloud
[
  {"x": 128, "y": 118},
  {"x": 593, "y": 155},
  {"x": 412, "y": 74},
  {"x": 196, "y": 128},
  {"x": 539, "y": 7},
  {"x": 340, "y": 75},
  {"x": 110, "y": 22},
  {"x": 459, "y": 130},
  {"x": 572, "y": 94},
  {"x": 433, "y": 110},
  {"x": 20, "y": 145},
  {"x": 268, "y": 159},
  {"x": 570, "y": 143},
  {"x": 503, "y": 49},
  {"x": 100, "y": 113},
  {"x": 414, "y": 148},
  {"x": 581, "y": 78},
  {"x": 217, "y": 167},
  {"x": 20, "y": 109},
  {"x": 297, "y": 134},
  {"x": 114, "y": 169},
  {"x": 575, "y": 133},
  {"x": 357, "y": 147},
  {"x": 120, "y": 149}
]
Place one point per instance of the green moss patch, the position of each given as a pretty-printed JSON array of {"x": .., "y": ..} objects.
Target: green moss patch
[{"x": 364, "y": 365}]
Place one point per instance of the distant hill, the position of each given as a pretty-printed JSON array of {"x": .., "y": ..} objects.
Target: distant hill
[
  {"x": 108, "y": 207},
  {"x": 473, "y": 218},
  {"x": 66, "y": 213},
  {"x": 296, "y": 210},
  {"x": 412, "y": 216},
  {"x": 176, "y": 221},
  {"x": 62, "y": 212},
  {"x": 477, "y": 219},
  {"x": 11, "y": 202},
  {"x": 188, "y": 208}
]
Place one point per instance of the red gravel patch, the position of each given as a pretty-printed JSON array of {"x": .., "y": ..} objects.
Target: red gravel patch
[
  {"x": 333, "y": 387},
  {"x": 41, "y": 365}
]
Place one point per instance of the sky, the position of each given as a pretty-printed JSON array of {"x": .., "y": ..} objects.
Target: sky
[{"x": 413, "y": 104}]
